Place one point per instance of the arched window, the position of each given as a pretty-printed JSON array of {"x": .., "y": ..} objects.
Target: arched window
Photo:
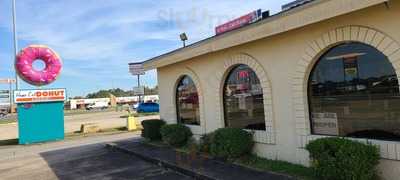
[
  {"x": 353, "y": 91},
  {"x": 187, "y": 102},
  {"x": 243, "y": 99}
]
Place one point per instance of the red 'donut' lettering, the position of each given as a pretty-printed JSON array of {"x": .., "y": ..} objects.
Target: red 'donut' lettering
[{"x": 49, "y": 93}]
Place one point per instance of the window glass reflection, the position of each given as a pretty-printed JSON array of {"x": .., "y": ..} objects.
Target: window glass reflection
[
  {"x": 243, "y": 99},
  {"x": 187, "y": 101},
  {"x": 354, "y": 92}
]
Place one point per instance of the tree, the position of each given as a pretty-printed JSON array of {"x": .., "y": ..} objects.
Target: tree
[{"x": 120, "y": 92}]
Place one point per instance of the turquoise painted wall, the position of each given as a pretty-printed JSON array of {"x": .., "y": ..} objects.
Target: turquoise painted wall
[{"x": 40, "y": 122}]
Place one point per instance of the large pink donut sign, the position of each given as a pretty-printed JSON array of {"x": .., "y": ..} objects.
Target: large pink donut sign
[{"x": 25, "y": 70}]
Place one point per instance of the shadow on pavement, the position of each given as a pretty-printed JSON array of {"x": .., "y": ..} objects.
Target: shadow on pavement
[
  {"x": 98, "y": 162},
  {"x": 8, "y": 142}
]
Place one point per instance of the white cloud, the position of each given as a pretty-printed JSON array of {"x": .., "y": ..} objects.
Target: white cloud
[
  {"x": 102, "y": 29},
  {"x": 102, "y": 36}
]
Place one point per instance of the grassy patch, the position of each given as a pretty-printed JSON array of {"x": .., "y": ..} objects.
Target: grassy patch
[
  {"x": 84, "y": 111},
  {"x": 141, "y": 114},
  {"x": 13, "y": 118},
  {"x": 108, "y": 131},
  {"x": 146, "y": 114},
  {"x": 7, "y": 121},
  {"x": 281, "y": 167},
  {"x": 254, "y": 162}
]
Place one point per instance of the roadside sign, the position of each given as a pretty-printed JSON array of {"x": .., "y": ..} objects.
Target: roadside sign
[
  {"x": 7, "y": 81},
  {"x": 138, "y": 91},
  {"x": 4, "y": 96},
  {"x": 42, "y": 95},
  {"x": 4, "y": 92},
  {"x": 136, "y": 69}
]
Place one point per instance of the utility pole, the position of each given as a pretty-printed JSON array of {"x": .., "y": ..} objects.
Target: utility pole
[
  {"x": 138, "y": 84},
  {"x": 11, "y": 98},
  {"x": 15, "y": 40}
]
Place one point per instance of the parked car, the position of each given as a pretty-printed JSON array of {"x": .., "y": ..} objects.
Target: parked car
[
  {"x": 135, "y": 106},
  {"x": 97, "y": 105},
  {"x": 3, "y": 113},
  {"x": 148, "y": 107}
]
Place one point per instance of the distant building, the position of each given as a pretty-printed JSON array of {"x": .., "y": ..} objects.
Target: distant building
[{"x": 82, "y": 103}]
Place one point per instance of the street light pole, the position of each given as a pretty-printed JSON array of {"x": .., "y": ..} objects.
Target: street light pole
[{"x": 15, "y": 40}]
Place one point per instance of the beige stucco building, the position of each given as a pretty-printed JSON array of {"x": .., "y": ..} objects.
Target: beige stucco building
[{"x": 282, "y": 51}]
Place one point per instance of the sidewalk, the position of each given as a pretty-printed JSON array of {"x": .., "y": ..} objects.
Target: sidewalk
[
  {"x": 16, "y": 151},
  {"x": 198, "y": 167}
]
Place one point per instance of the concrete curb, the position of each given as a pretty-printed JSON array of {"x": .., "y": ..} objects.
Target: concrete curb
[{"x": 165, "y": 164}]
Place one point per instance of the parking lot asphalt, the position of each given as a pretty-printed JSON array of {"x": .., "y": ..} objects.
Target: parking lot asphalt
[{"x": 93, "y": 161}]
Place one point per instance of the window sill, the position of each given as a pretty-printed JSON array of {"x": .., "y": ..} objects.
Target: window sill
[
  {"x": 264, "y": 137},
  {"x": 388, "y": 149},
  {"x": 196, "y": 129}
]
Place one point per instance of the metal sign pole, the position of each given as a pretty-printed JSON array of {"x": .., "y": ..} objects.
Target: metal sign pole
[
  {"x": 15, "y": 40},
  {"x": 10, "y": 98},
  {"x": 138, "y": 83}
]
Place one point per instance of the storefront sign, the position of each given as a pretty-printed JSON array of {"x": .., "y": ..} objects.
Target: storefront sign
[
  {"x": 136, "y": 69},
  {"x": 243, "y": 74},
  {"x": 7, "y": 81},
  {"x": 325, "y": 123},
  {"x": 5, "y": 97},
  {"x": 138, "y": 91},
  {"x": 239, "y": 22},
  {"x": 42, "y": 95}
]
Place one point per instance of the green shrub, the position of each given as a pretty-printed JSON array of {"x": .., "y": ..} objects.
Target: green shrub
[
  {"x": 205, "y": 142},
  {"x": 231, "y": 143},
  {"x": 151, "y": 129},
  {"x": 343, "y": 159},
  {"x": 175, "y": 134}
]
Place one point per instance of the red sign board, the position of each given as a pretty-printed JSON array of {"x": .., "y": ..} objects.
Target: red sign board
[{"x": 239, "y": 22}]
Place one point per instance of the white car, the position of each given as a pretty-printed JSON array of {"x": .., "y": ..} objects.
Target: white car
[
  {"x": 3, "y": 113},
  {"x": 97, "y": 105},
  {"x": 135, "y": 106}
]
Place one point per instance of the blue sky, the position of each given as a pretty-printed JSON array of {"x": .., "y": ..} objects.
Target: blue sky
[{"x": 96, "y": 39}]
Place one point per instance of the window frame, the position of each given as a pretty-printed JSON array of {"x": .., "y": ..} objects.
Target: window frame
[
  {"x": 228, "y": 74},
  {"x": 308, "y": 90},
  {"x": 177, "y": 109}
]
